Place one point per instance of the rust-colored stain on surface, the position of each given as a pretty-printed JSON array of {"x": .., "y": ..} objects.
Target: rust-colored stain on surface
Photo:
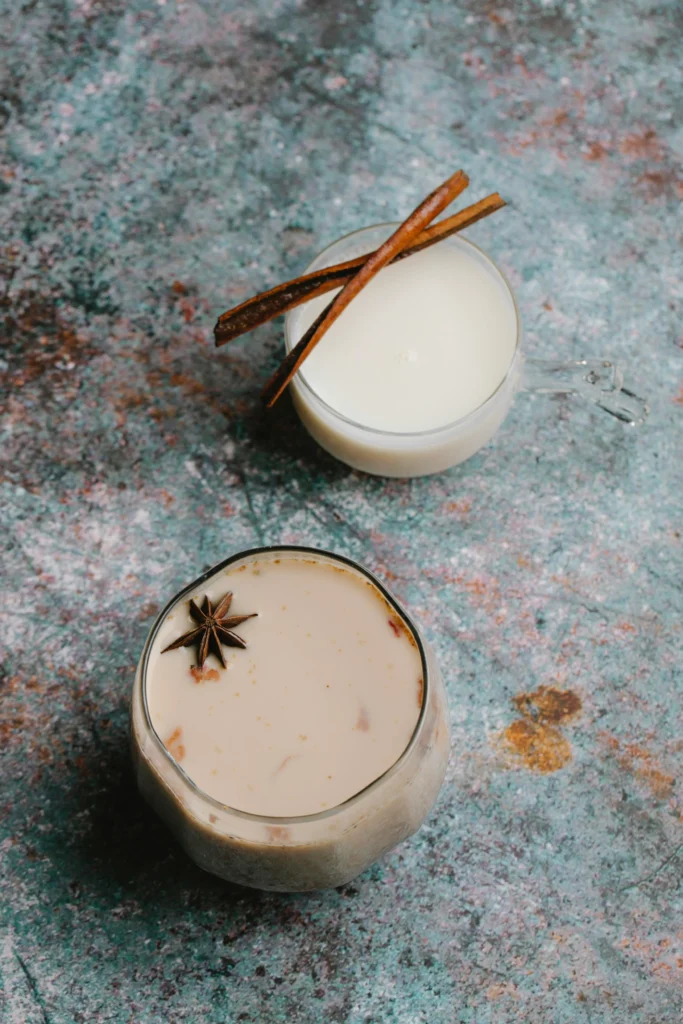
[
  {"x": 644, "y": 145},
  {"x": 596, "y": 151},
  {"x": 459, "y": 508},
  {"x": 662, "y": 183},
  {"x": 535, "y": 739},
  {"x": 547, "y": 704},
  {"x": 541, "y": 748},
  {"x": 56, "y": 347},
  {"x": 642, "y": 764}
]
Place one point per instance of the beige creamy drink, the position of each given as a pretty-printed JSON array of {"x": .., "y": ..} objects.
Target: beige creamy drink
[
  {"x": 304, "y": 739},
  {"x": 322, "y": 701}
]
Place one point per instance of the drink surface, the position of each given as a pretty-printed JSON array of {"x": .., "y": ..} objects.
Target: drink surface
[
  {"x": 424, "y": 344},
  {"x": 324, "y": 699}
]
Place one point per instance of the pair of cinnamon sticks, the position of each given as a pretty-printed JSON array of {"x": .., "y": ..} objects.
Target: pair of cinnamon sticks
[{"x": 416, "y": 233}]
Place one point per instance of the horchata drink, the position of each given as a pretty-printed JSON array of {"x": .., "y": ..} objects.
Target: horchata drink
[
  {"x": 419, "y": 370},
  {"x": 288, "y": 720}
]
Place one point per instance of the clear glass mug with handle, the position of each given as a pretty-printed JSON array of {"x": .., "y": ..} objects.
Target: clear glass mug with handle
[{"x": 393, "y": 454}]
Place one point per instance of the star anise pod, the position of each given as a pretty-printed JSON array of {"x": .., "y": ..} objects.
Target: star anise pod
[{"x": 215, "y": 628}]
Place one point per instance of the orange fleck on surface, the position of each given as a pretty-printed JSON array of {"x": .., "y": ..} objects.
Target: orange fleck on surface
[
  {"x": 548, "y": 704},
  {"x": 189, "y": 385},
  {"x": 174, "y": 745},
  {"x": 609, "y": 741},
  {"x": 541, "y": 748},
  {"x": 502, "y": 989},
  {"x": 657, "y": 184},
  {"x": 476, "y": 586},
  {"x": 148, "y": 609},
  {"x": 535, "y": 739},
  {"x": 213, "y": 819},
  {"x": 166, "y": 497},
  {"x": 461, "y": 508},
  {"x": 557, "y": 118},
  {"x": 420, "y": 692},
  {"x": 596, "y": 151},
  {"x": 363, "y": 723},
  {"x": 520, "y": 62},
  {"x": 640, "y": 762},
  {"x": 202, "y": 675},
  {"x": 395, "y": 626},
  {"x": 643, "y": 145}
]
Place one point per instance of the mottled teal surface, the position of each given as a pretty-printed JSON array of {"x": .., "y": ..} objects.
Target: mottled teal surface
[{"x": 219, "y": 146}]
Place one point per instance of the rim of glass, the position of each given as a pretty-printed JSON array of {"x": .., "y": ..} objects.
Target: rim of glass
[
  {"x": 250, "y": 553},
  {"x": 299, "y": 377}
]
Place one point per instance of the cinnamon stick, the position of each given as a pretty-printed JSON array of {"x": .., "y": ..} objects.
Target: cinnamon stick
[
  {"x": 404, "y": 236},
  {"x": 261, "y": 308}
]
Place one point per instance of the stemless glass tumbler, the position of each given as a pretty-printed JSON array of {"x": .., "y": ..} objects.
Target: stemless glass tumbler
[{"x": 313, "y": 851}]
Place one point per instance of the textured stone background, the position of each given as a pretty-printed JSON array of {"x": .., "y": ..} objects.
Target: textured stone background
[{"x": 161, "y": 161}]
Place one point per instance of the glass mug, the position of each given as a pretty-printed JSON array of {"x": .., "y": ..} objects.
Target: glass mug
[
  {"x": 313, "y": 851},
  {"x": 386, "y": 453}
]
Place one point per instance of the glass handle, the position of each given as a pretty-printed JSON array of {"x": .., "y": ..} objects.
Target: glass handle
[{"x": 597, "y": 380}]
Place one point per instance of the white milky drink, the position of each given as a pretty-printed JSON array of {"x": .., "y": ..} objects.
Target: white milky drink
[
  {"x": 425, "y": 343},
  {"x": 417, "y": 372},
  {"x": 311, "y": 740}
]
